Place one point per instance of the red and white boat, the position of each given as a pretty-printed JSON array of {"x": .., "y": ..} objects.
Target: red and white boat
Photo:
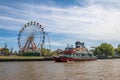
[{"x": 80, "y": 53}]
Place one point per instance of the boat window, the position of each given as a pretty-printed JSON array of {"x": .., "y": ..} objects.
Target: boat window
[
  {"x": 83, "y": 54},
  {"x": 90, "y": 55},
  {"x": 77, "y": 54}
]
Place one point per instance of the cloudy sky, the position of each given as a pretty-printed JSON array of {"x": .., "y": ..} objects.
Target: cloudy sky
[{"x": 66, "y": 21}]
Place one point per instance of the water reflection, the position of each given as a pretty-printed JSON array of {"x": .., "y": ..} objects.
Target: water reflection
[{"x": 49, "y": 70}]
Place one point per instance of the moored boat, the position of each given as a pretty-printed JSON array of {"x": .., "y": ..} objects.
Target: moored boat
[{"x": 80, "y": 53}]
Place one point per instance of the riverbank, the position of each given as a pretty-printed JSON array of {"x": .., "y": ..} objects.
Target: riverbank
[
  {"x": 36, "y": 58},
  {"x": 23, "y": 58},
  {"x": 109, "y": 57}
]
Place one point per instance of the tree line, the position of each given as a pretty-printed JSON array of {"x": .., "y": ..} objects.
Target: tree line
[{"x": 106, "y": 50}]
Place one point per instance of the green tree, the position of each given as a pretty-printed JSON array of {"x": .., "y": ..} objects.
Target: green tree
[
  {"x": 53, "y": 53},
  {"x": 48, "y": 53},
  {"x": 117, "y": 50},
  {"x": 5, "y": 51},
  {"x": 104, "y": 49},
  {"x": 97, "y": 52},
  {"x": 45, "y": 52}
]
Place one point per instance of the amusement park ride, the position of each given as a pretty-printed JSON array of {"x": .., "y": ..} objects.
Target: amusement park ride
[{"x": 31, "y": 37}]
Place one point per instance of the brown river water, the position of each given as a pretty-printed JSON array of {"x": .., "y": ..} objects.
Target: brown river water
[{"x": 108, "y": 69}]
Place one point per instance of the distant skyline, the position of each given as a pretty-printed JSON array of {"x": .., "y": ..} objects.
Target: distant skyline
[{"x": 66, "y": 21}]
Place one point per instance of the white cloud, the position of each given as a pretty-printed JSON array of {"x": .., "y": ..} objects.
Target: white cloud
[
  {"x": 12, "y": 19},
  {"x": 103, "y": 3},
  {"x": 93, "y": 22}
]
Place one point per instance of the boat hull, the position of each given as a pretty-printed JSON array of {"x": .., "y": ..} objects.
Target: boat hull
[
  {"x": 57, "y": 59},
  {"x": 66, "y": 59}
]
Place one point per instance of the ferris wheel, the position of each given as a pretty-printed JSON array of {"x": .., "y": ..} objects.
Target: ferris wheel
[{"x": 31, "y": 37}]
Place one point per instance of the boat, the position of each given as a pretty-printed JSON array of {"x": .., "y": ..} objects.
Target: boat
[{"x": 79, "y": 53}]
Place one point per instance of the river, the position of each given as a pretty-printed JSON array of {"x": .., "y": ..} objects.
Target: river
[{"x": 108, "y": 69}]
